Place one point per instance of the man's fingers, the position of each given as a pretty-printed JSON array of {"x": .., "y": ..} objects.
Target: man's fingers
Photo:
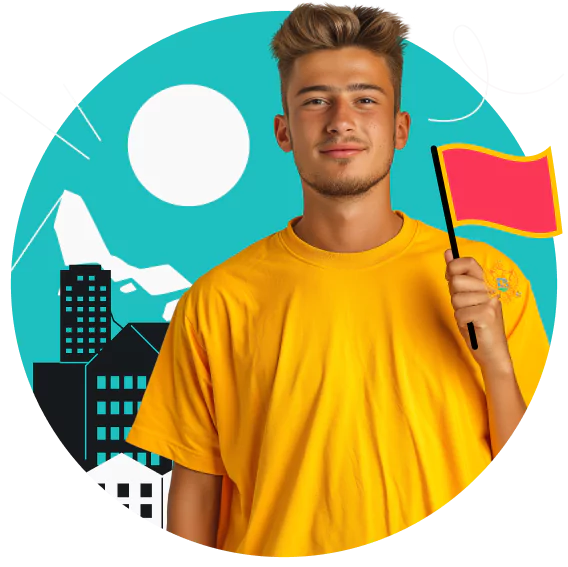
[
  {"x": 464, "y": 266},
  {"x": 467, "y": 299},
  {"x": 465, "y": 283}
]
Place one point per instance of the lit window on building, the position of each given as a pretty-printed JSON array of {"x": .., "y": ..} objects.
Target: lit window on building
[{"x": 101, "y": 408}]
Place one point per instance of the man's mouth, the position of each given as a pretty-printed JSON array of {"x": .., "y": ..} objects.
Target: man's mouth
[{"x": 341, "y": 153}]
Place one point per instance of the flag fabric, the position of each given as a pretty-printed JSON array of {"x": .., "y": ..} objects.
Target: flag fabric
[{"x": 513, "y": 193}]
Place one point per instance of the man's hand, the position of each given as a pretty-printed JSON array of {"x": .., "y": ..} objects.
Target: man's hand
[{"x": 474, "y": 301}]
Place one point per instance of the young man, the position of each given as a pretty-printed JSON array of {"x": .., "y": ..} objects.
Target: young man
[{"x": 323, "y": 377}]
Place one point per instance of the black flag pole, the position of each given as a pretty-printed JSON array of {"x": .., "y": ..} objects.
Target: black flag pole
[{"x": 450, "y": 226}]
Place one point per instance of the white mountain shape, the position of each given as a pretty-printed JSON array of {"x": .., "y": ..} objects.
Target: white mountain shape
[{"x": 81, "y": 243}]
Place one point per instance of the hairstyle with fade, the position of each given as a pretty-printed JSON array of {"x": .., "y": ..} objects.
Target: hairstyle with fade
[{"x": 311, "y": 27}]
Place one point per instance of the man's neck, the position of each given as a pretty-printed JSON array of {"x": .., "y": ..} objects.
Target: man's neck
[{"x": 354, "y": 230}]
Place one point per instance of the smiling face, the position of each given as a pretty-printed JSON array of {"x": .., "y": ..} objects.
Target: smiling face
[{"x": 341, "y": 97}]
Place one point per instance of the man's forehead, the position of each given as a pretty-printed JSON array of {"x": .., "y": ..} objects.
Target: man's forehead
[{"x": 340, "y": 68}]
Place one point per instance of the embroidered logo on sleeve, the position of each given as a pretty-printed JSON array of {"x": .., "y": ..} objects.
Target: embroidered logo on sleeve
[{"x": 504, "y": 281}]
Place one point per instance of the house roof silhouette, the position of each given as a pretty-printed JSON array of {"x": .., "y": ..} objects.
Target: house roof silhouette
[{"x": 137, "y": 344}]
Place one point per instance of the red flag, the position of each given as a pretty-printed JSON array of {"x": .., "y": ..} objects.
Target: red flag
[{"x": 512, "y": 193}]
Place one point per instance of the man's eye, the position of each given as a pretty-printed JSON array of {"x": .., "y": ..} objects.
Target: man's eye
[
  {"x": 368, "y": 99},
  {"x": 315, "y": 100}
]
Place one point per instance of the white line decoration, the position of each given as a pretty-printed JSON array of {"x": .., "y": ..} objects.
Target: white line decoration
[{"x": 486, "y": 73}]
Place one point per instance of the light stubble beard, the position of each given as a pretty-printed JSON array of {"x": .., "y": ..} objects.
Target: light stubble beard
[{"x": 348, "y": 187}]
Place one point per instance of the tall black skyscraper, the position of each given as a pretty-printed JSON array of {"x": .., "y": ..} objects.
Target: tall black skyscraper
[{"x": 84, "y": 312}]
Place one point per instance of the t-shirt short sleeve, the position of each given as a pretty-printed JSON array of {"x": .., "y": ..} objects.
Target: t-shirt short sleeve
[
  {"x": 526, "y": 337},
  {"x": 177, "y": 417}
]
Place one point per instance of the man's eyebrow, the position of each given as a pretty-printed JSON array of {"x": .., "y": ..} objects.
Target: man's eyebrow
[{"x": 350, "y": 88}]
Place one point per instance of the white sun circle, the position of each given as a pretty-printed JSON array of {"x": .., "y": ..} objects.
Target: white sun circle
[{"x": 188, "y": 145}]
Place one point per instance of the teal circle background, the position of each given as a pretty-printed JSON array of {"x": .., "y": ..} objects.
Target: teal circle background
[{"x": 232, "y": 56}]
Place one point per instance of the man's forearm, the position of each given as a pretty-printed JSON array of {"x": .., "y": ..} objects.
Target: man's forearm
[{"x": 505, "y": 403}]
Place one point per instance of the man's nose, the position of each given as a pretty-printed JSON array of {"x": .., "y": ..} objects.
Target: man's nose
[{"x": 341, "y": 117}]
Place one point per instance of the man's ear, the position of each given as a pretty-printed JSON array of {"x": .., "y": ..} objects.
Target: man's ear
[
  {"x": 282, "y": 133},
  {"x": 402, "y": 129}
]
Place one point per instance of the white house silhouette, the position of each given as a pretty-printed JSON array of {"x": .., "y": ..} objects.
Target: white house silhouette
[{"x": 129, "y": 482}]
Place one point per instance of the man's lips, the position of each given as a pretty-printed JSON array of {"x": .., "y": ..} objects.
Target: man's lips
[{"x": 341, "y": 153}]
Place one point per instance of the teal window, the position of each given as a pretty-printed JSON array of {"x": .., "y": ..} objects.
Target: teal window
[
  {"x": 115, "y": 433},
  {"x": 113, "y": 455},
  {"x": 80, "y": 350},
  {"x": 103, "y": 319},
  {"x": 80, "y": 298},
  {"x": 68, "y": 350},
  {"x": 91, "y": 298},
  {"x": 92, "y": 339},
  {"x": 79, "y": 329},
  {"x": 67, "y": 309},
  {"x": 129, "y": 455},
  {"x": 103, "y": 308},
  {"x": 91, "y": 288},
  {"x": 115, "y": 382},
  {"x": 68, "y": 288},
  {"x": 103, "y": 340},
  {"x": 92, "y": 350},
  {"x": 79, "y": 319},
  {"x": 101, "y": 408},
  {"x": 154, "y": 459},
  {"x": 68, "y": 329},
  {"x": 114, "y": 407},
  {"x": 91, "y": 329},
  {"x": 128, "y": 382},
  {"x": 126, "y": 432},
  {"x": 101, "y": 382},
  {"x": 79, "y": 278},
  {"x": 138, "y": 406},
  {"x": 103, "y": 298},
  {"x": 91, "y": 308},
  {"x": 92, "y": 278},
  {"x": 68, "y": 298},
  {"x": 141, "y": 458},
  {"x": 101, "y": 433},
  {"x": 128, "y": 408},
  {"x": 79, "y": 309},
  {"x": 91, "y": 319},
  {"x": 141, "y": 382},
  {"x": 80, "y": 340},
  {"x": 101, "y": 458},
  {"x": 102, "y": 329},
  {"x": 103, "y": 288},
  {"x": 68, "y": 340}
]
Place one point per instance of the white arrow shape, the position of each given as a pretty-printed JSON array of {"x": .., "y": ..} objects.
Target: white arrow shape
[
  {"x": 46, "y": 128},
  {"x": 72, "y": 95}
]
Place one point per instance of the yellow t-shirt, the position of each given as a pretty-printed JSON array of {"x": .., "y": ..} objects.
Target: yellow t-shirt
[{"x": 333, "y": 391}]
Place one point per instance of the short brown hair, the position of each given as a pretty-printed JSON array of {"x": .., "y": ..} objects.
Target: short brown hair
[{"x": 310, "y": 27}]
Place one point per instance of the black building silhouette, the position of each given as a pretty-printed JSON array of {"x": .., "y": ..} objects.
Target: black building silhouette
[
  {"x": 116, "y": 381},
  {"x": 85, "y": 300},
  {"x": 60, "y": 392}
]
